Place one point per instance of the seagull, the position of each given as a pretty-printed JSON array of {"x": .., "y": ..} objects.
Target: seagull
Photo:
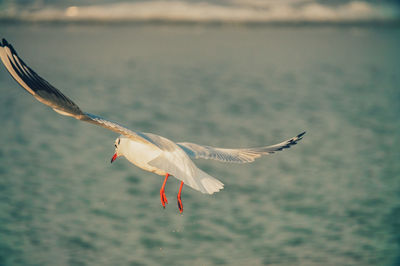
[{"x": 147, "y": 151}]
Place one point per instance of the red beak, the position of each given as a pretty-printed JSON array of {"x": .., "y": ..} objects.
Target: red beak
[{"x": 114, "y": 157}]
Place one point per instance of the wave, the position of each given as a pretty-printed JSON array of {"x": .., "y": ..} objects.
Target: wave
[{"x": 246, "y": 11}]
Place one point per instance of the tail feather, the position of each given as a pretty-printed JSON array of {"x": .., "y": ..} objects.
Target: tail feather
[
  {"x": 186, "y": 171},
  {"x": 208, "y": 183}
]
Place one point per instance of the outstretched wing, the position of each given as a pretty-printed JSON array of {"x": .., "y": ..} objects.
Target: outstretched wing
[
  {"x": 248, "y": 155},
  {"x": 45, "y": 93}
]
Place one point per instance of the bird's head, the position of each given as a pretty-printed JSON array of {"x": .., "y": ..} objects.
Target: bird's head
[{"x": 117, "y": 150}]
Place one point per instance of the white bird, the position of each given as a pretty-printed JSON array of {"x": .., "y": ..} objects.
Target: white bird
[{"x": 148, "y": 151}]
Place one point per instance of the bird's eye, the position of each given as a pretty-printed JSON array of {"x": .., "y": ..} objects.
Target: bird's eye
[
  {"x": 115, "y": 145},
  {"x": 119, "y": 140}
]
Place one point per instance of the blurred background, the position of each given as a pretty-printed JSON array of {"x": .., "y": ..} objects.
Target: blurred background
[
  {"x": 239, "y": 11},
  {"x": 228, "y": 73}
]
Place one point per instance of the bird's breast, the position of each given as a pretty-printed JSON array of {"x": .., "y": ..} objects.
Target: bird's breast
[{"x": 140, "y": 154}]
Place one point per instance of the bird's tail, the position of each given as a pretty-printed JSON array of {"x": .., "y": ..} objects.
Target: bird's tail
[
  {"x": 207, "y": 183},
  {"x": 187, "y": 172}
]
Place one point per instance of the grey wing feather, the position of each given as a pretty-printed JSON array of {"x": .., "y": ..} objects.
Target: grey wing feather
[
  {"x": 113, "y": 126},
  {"x": 149, "y": 138},
  {"x": 50, "y": 96},
  {"x": 245, "y": 155}
]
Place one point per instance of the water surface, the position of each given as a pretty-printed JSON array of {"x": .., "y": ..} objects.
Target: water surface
[{"x": 333, "y": 199}]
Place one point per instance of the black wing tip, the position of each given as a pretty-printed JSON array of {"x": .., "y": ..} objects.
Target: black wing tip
[
  {"x": 4, "y": 43},
  {"x": 301, "y": 135},
  {"x": 294, "y": 140}
]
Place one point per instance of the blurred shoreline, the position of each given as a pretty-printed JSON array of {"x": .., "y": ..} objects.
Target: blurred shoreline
[
  {"x": 393, "y": 23},
  {"x": 233, "y": 12}
]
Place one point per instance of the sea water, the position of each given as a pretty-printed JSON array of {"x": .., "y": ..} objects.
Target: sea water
[{"x": 333, "y": 199}]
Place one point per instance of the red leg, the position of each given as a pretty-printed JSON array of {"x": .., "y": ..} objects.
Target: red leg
[
  {"x": 180, "y": 206},
  {"x": 163, "y": 198}
]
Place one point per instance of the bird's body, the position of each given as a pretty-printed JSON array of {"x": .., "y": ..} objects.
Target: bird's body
[
  {"x": 141, "y": 154},
  {"x": 171, "y": 160},
  {"x": 148, "y": 151}
]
